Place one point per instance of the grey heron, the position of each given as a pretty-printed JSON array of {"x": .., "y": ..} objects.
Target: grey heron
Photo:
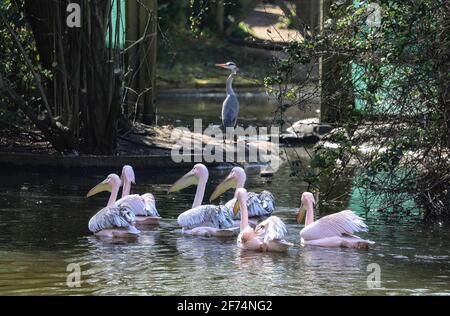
[{"x": 230, "y": 107}]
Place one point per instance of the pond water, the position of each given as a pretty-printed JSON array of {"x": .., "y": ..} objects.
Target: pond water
[
  {"x": 256, "y": 109},
  {"x": 43, "y": 228}
]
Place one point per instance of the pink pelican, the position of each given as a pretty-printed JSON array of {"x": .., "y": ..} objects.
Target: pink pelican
[
  {"x": 335, "y": 230},
  {"x": 267, "y": 236},
  {"x": 258, "y": 205},
  {"x": 144, "y": 206},
  {"x": 203, "y": 220},
  {"x": 113, "y": 220}
]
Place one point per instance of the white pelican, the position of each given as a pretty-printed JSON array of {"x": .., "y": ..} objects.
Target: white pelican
[
  {"x": 262, "y": 204},
  {"x": 335, "y": 230},
  {"x": 203, "y": 220},
  {"x": 267, "y": 236},
  {"x": 144, "y": 206},
  {"x": 113, "y": 220}
]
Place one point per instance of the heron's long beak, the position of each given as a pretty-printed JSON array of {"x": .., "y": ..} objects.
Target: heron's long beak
[
  {"x": 236, "y": 207},
  {"x": 185, "y": 181},
  {"x": 225, "y": 185},
  {"x": 301, "y": 214},
  {"x": 221, "y": 65},
  {"x": 102, "y": 186}
]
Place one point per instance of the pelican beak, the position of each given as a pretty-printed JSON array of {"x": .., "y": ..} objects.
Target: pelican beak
[
  {"x": 236, "y": 207},
  {"x": 301, "y": 214},
  {"x": 185, "y": 181},
  {"x": 102, "y": 186},
  {"x": 221, "y": 65},
  {"x": 225, "y": 185}
]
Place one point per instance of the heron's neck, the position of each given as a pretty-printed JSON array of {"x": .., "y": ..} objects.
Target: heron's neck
[
  {"x": 309, "y": 214},
  {"x": 126, "y": 188},
  {"x": 230, "y": 83},
  {"x": 200, "y": 193},
  {"x": 113, "y": 196}
]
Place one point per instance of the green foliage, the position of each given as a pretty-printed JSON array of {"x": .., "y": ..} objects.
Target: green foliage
[
  {"x": 397, "y": 74},
  {"x": 12, "y": 65}
]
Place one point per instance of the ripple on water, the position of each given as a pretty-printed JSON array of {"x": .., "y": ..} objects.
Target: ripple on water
[{"x": 38, "y": 241}]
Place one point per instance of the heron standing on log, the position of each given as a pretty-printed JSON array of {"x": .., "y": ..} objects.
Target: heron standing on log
[{"x": 230, "y": 107}]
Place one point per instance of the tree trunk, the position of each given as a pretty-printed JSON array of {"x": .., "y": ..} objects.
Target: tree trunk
[
  {"x": 335, "y": 94},
  {"x": 444, "y": 66},
  {"x": 220, "y": 15},
  {"x": 87, "y": 85},
  {"x": 141, "y": 39},
  {"x": 308, "y": 11}
]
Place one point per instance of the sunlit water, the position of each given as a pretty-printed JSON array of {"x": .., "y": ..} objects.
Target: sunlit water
[
  {"x": 256, "y": 109},
  {"x": 43, "y": 228}
]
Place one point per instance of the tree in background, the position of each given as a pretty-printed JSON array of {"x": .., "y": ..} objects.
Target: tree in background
[
  {"x": 71, "y": 83},
  {"x": 388, "y": 87}
]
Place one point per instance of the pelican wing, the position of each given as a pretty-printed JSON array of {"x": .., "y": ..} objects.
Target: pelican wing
[
  {"x": 217, "y": 216},
  {"x": 262, "y": 204},
  {"x": 150, "y": 205},
  {"x": 135, "y": 202},
  {"x": 112, "y": 217},
  {"x": 271, "y": 228},
  {"x": 142, "y": 205},
  {"x": 338, "y": 224}
]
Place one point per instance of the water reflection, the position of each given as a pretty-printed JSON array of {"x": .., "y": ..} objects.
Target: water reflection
[
  {"x": 39, "y": 240},
  {"x": 255, "y": 109},
  {"x": 43, "y": 228}
]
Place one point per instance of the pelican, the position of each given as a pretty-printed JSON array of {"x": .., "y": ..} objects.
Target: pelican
[
  {"x": 144, "y": 205},
  {"x": 111, "y": 184},
  {"x": 335, "y": 230},
  {"x": 113, "y": 220},
  {"x": 230, "y": 107},
  {"x": 203, "y": 220},
  {"x": 258, "y": 205},
  {"x": 267, "y": 236}
]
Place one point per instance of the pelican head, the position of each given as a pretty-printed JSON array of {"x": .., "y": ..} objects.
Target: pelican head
[
  {"x": 236, "y": 179},
  {"x": 307, "y": 200},
  {"x": 111, "y": 182},
  {"x": 128, "y": 174},
  {"x": 191, "y": 178},
  {"x": 229, "y": 65},
  {"x": 241, "y": 199}
]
